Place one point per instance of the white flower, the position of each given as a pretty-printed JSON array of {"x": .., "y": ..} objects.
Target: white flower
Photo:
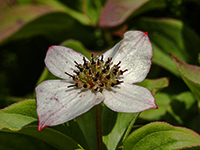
[{"x": 59, "y": 101}]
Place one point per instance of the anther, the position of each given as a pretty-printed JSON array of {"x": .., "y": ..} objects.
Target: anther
[
  {"x": 84, "y": 60},
  {"x": 107, "y": 67},
  {"x": 108, "y": 77},
  {"x": 118, "y": 82},
  {"x": 104, "y": 70},
  {"x": 121, "y": 72},
  {"x": 98, "y": 62},
  {"x": 101, "y": 58},
  {"x": 102, "y": 84},
  {"x": 114, "y": 73},
  {"x": 85, "y": 85},
  {"x": 95, "y": 79},
  {"x": 96, "y": 89},
  {"x": 112, "y": 84},
  {"x": 76, "y": 84},
  {"x": 97, "y": 75}
]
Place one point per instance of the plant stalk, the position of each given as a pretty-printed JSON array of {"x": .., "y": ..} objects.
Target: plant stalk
[{"x": 98, "y": 127}]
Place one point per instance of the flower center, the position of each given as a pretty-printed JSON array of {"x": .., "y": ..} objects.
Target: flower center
[{"x": 96, "y": 74}]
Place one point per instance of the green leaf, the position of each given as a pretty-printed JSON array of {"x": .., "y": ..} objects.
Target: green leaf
[
  {"x": 92, "y": 10},
  {"x": 169, "y": 36},
  {"x": 13, "y": 141},
  {"x": 55, "y": 27},
  {"x": 87, "y": 124},
  {"x": 154, "y": 84},
  {"x": 11, "y": 23},
  {"x": 114, "y": 126},
  {"x": 162, "y": 101},
  {"x": 183, "y": 111},
  {"x": 116, "y": 12},
  {"x": 18, "y": 115},
  {"x": 190, "y": 75},
  {"x": 50, "y": 136},
  {"x": 77, "y": 46},
  {"x": 161, "y": 135}
]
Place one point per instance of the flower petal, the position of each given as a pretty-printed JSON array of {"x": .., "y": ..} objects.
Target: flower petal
[
  {"x": 129, "y": 98},
  {"x": 57, "y": 104},
  {"x": 60, "y": 59},
  {"x": 135, "y": 53}
]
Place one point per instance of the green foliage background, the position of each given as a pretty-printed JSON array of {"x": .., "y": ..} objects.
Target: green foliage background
[{"x": 29, "y": 27}]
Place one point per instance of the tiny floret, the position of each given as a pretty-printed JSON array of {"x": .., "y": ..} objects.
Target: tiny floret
[{"x": 84, "y": 83}]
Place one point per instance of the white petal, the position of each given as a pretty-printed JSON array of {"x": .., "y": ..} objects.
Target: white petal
[
  {"x": 60, "y": 59},
  {"x": 129, "y": 98},
  {"x": 57, "y": 104},
  {"x": 135, "y": 53}
]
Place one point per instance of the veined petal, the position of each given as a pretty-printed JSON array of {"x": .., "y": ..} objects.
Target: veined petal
[
  {"x": 57, "y": 104},
  {"x": 135, "y": 53},
  {"x": 60, "y": 59},
  {"x": 129, "y": 98}
]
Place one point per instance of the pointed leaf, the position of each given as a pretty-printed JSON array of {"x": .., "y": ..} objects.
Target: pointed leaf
[
  {"x": 169, "y": 36},
  {"x": 190, "y": 74},
  {"x": 183, "y": 111},
  {"x": 62, "y": 27},
  {"x": 161, "y": 135},
  {"x": 92, "y": 10},
  {"x": 114, "y": 126},
  {"x": 162, "y": 101},
  {"x": 154, "y": 84},
  {"x": 87, "y": 124},
  {"x": 18, "y": 115},
  {"x": 115, "y": 12},
  {"x": 50, "y": 136},
  {"x": 13, "y": 141}
]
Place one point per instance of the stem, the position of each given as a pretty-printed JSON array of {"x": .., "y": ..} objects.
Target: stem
[
  {"x": 98, "y": 126},
  {"x": 130, "y": 126}
]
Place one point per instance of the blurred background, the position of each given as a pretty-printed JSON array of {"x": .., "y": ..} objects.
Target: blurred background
[{"x": 29, "y": 27}]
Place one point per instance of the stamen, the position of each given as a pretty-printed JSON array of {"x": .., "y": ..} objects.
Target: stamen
[
  {"x": 84, "y": 60},
  {"x": 125, "y": 70},
  {"x": 78, "y": 73},
  {"x": 118, "y": 63},
  {"x": 98, "y": 62},
  {"x": 102, "y": 84},
  {"x": 95, "y": 79},
  {"x": 72, "y": 85},
  {"x": 76, "y": 63},
  {"x": 112, "y": 84},
  {"x": 107, "y": 67},
  {"x": 118, "y": 82},
  {"x": 85, "y": 85},
  {"x": 96, "y": 74},
  {"x": 101, "y": 58},
  {"x": 108, "y": 77},
  {"x": 69, "y": 74},
  {"x": 104, "y": 70},
  {"x": 122, "y": 72}
]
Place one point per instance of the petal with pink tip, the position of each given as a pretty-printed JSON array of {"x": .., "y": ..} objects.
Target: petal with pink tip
[
  {"x": 135, "y": 53},
  {"x": 60, "y": 59},
  {"x": 57, "y": 104},
  {"x": 129, "y": 98}
]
